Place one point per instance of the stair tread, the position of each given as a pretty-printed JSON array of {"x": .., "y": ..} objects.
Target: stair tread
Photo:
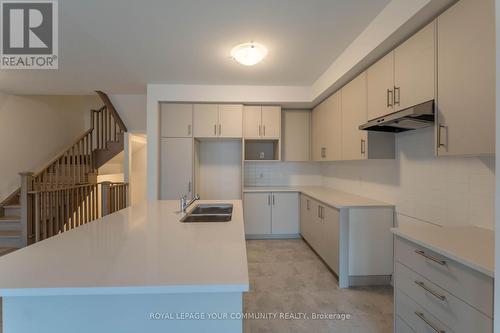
[
  {"x": 12, "y": 206},
  {"x": 10, "y": 233},
  {"x": 9, "y": 218},
  {"x": 6, "y": 250}
]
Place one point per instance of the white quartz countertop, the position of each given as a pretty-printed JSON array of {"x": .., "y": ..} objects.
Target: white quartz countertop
[
  {"x": 471, "y": 246},
  {"x": 328, "y": 196},
  {"x": 142, "y": 249}
]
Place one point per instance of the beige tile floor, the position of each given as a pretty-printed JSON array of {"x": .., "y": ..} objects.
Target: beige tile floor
[{"x": 287, "y": 276}]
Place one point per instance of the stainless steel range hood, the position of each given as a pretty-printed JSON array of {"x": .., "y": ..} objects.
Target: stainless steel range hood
[{"x": 418, "y": 116}]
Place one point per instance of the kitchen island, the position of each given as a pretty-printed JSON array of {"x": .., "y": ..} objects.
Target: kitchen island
[{"x": 137, "y": 270}]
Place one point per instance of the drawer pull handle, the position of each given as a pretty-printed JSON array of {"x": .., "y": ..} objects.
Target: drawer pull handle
[
  {"x": 425, "y": 320},
  {"x": 430, "y": 291},
  {"x": 426, "y": 256}
]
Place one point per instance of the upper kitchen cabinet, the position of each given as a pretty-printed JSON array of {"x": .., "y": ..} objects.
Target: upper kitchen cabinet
[
  {"x": 404, "y": 77},
  {"x": 218, "y": 121},
  {"x": 230, "y": 120},
  {"x": 465, "y": 122},
  {"x": 327, "y": 129},
  {"x": 297, "y": 135},
  {"x": 358, "y": 144},
  {"x": 206, "y": 119},
  {"x": 176, "y": 120},
  {"x": 262, "y": 122},
  {"x": 354, "y": 114},
  {"x": 415, "y": 69},
  {"x": 380, "y": 85}
]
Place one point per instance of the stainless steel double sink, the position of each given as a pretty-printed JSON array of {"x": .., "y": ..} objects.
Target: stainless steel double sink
[{"x": 209, "y": 213}]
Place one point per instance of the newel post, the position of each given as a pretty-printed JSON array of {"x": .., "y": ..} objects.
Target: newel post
[
  {"x": 105, "y": 198},
  {"x": 26, "y": 218}
]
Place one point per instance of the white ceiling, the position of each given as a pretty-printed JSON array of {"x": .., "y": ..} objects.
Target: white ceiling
[{"x": 121, "y": 45}]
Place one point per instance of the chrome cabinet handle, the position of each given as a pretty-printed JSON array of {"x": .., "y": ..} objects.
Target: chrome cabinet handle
[
  {"x": 307, "y": 204},
  {"x": 319, "y": 211},
  {"x": 430, "y": 291},
  {"x": 260, "y": 130},
  {"x": 439, "y": 141},
  {"x": 269, "y": 200},
  {"x": 425, "y": 320},
  {"x": 426, "y": 256},
  {"x": 274, "y": 203},
  {"x": 189, "y": 187},
  {"x": 215, "y": 129},
  {"x": 390, "y": 98},
  {"x": 398, "y": 99},
  {"x": 264, "y": 130},
  {"x": 220, "y": 129},
  {"x": 363, "y": 146},
  {"x": 189, "y": 129}
]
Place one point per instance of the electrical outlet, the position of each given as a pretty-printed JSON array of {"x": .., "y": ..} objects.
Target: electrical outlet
[{"x": 261, "y": 155}]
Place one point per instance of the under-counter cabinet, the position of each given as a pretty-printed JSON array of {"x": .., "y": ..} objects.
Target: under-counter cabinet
[
  {"x": 434, "y": 293},
  {"x": 355, "y": 242},
  {"x": 271, "y": 215},
  {"x": 404, "y": 77},
  {"x": 218, "y": 120},
  {"x": 262, "y": 122},
  {"x": 176, "y": 169},
  {"x": 465, "y": 122}
]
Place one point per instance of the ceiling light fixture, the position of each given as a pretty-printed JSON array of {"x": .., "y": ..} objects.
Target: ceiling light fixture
[{"x": 249, "y": 54}]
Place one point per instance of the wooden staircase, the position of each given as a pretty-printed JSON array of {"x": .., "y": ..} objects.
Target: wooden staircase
[{"x": 64, "y": 194}]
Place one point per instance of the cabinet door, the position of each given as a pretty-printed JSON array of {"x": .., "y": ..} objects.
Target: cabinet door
[
  {"x": 176, "y": 168},
  {"x": 332, "y": 128},
  {"x": 205, "y": 120},
  {"x": 230, "y": 120},
  {"x": 330, "y": 226},
  {"x": 414, "y": 69},
  {"x": 315, "y": 226},
  {"x": 317, "y": 134},
  {"x": 271, "y": 122},
  {"x": 257, "y": 213},
  {"x": 305, "y": 217},
  {"x": 380, "y": 87},
  {"x": 285, "y": 213},
  {"x": 252, "y": 117},
  {"x": 466, "y": 79},
  {"x": 354, "y": 113},
  {"x": 297, "y": 134},
  {"x": 176, "y": 120}
]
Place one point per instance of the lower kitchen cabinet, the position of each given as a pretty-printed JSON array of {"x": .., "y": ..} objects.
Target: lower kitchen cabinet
[
  {"x": 320, "y": 226},
  {"x": 271, "y": 214}
]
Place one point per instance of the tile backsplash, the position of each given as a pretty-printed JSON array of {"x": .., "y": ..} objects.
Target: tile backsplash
[
  {"x": 282, "y": 173},
  {"x": 443, "y": 191}
]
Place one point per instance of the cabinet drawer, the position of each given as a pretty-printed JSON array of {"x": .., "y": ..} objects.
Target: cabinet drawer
[
  {"x": 402, "y": 327},
  {"x": 417, "y": 317},
  {"x": 450, "y": 310},
  {"x": 465, "y": 283}
]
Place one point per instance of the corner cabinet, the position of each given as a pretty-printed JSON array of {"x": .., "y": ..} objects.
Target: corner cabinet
[
  {"x": 465, "y": 122},
  {"x": 326, "y": 129},
  {"x": 271, "y": 214}
]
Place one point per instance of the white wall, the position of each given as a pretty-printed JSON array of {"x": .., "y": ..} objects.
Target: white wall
[
  {"x": 132, "y": 110},
  {"x": 33, "y": 130},
  {"x": 282, "y": 174},
  {"x": 443, "y": 191},
  {"x": 137, "y": 178}
]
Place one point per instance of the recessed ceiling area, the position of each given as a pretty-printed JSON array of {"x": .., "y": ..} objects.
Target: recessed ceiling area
[{"x": 121, "y": 45}]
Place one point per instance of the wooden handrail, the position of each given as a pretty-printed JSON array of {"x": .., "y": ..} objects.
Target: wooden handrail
[
  {"x": 62, "y": 152},
  {"x": 111, "y": 107}
]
